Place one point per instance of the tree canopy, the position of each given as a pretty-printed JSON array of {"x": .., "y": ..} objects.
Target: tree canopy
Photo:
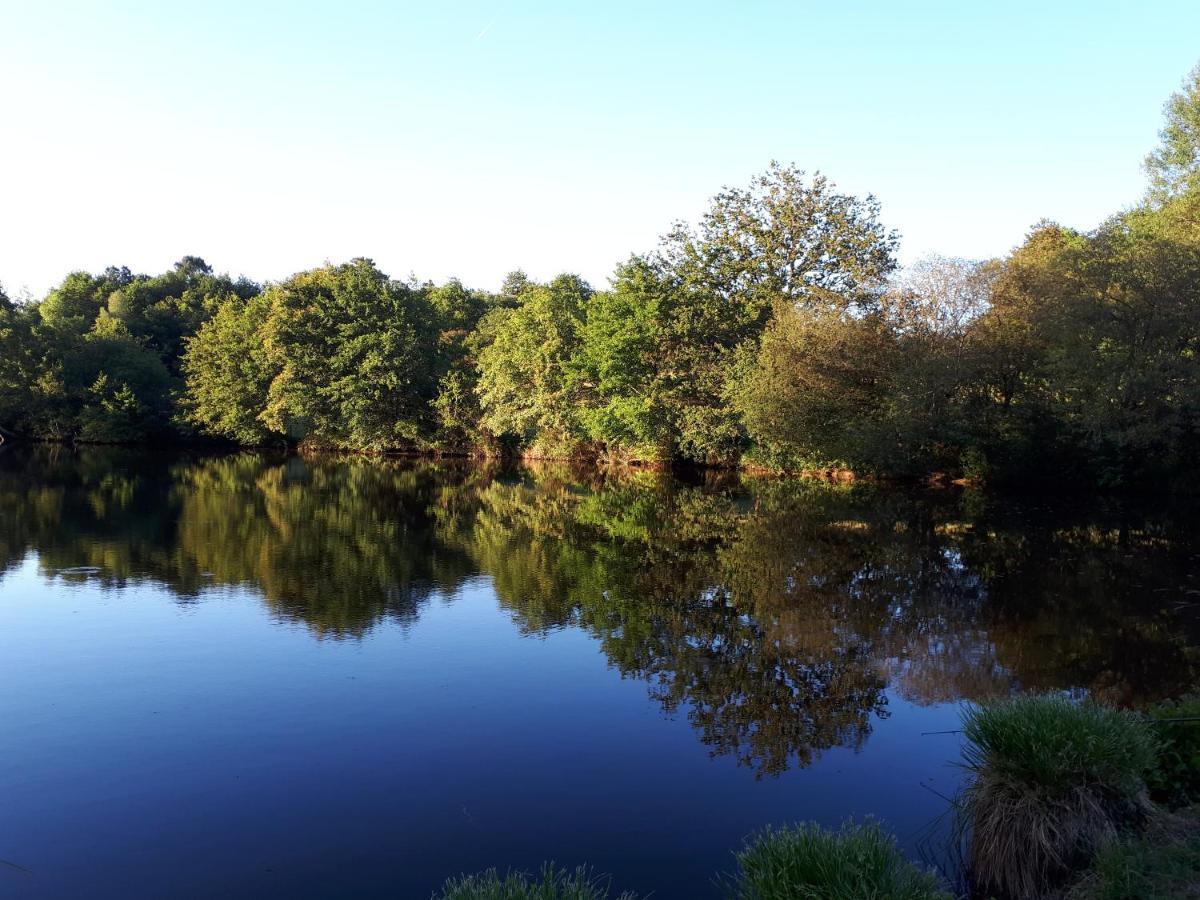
[{"x": 776, "y": 330}]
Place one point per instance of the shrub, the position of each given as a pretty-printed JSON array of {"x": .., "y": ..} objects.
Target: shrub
[
  {"x": 1176, "y": 780},
  {"x": 1053, "y": 780},
  {"x": 1162, "y": 863},
  {"x": 807, "y": 862},
  {"x": 550, "y": 884}
]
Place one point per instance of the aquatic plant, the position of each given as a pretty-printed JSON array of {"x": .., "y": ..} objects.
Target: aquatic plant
[
  {"x": 551, "y": 883},
  {"x": 1053, "y": 782},
  {"x": 808, "y": 862}
]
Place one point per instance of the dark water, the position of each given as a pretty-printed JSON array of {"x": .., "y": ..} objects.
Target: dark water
[{"x": 254, "y": 676}]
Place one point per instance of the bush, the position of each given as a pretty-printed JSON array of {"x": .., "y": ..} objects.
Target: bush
[
  {"x": 807, "y": 862},
  {"x": 1176, "y": 780},
  {"x": 1053, "y": 782},
  {"x": 550, "y": 884},
  {"x": 1162, "y": 863}
]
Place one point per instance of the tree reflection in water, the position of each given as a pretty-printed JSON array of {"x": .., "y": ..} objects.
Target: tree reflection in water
[{"x": 776, "y": 615}]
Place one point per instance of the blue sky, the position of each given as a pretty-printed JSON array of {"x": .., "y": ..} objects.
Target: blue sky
[{"x": 469, "y": 139}]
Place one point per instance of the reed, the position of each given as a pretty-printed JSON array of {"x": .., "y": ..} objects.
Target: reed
[
  {"x": 551, "y": 883},
  {"x": 1053, "y": 782},
  {"x": 808, "y": 862}
]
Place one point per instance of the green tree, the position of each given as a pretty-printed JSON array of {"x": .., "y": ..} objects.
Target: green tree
[
  {"x": 527, "y": 387},
  {"x": 19, "y": 365},
  {"x": 111, "y": 374},
  {"x": 1100, "y": 334},
  {"x": 73, "y": 307},
  {"x": 458, "y": 312},
  {"x": 351, "y": 348},
  {"x": 813, "y": 391},
  {"x": 786, "y": 240},
  {"x": 1174, "y": 166},
  {"x": 618, "y": 364},
  {"x": 791, "y": 237},
  {"x": 163, "y": 311},
  {"x": 229, "y": 372}
]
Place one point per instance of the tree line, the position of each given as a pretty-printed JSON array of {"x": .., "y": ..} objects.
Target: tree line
[{"x": 777, "y": 332}]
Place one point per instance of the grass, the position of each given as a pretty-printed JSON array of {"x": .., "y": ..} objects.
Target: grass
[
  {"x": 1162, "y": 863},
  {"x": 807, "y": 862},
  {"x": 550, "y": 884},
  {"x": 1053, "y": 783},
  {"x": 1176, "y": 780}
]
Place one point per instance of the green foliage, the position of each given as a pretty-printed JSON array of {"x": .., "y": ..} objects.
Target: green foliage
[
  {"x": 350, "y": 349},
  {"x": 808, "y": 862},
  {"x": 165, "y": 310},
  {"x": 112, "y": 414},
  {"x": 104, "y": 352},
  {"x": 618, "y": 365},
  {"x": 787, "y": 237},
  {"x": 1051, "y": 743},
  {"x": 787, "y": 240},
  {"x": 1176, "y": 779},
  {"x": 74, "y": 305},
  {"x": 1053, "y": 781},
  {"x": 459, "y": 311},
  {"x": 815, "y": 389},
  {"x": 1161, "y": 864},
  {"x": 114, "y": 375},
  {"x": 20, "y": 363},
  {"x": 527, "y": 390},
  {"x": 775, "y": 331},
  {"x": 1105, "y": 334},
  {"x": 1174, "y": 166},
  {"x": 229, "y": 372},
  {"x": 550, "y": 884}
]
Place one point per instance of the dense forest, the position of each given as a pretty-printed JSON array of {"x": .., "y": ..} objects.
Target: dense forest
[{"x": 778, "y": 331}]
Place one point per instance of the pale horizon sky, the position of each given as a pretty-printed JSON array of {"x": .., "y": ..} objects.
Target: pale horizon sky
[{"x": 471, "y": 138}]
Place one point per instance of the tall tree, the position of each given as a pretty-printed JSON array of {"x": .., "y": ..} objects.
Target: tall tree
[
  {"x": 787, "y": 239},
  {"x": 618, "y": 368},
  {"x": 352, "y": 351},
  {"x": 1174, "y": 166},
  {"x": 458, "y": 312},
  {"x": 19, "y": 364},
  {"x": 526, "y": 388},
  {"x": 229, "y": 372},
  {"x": 787, "y": 236}
]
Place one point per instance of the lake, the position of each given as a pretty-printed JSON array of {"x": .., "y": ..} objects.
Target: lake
[{"x": 255, "y": 675}]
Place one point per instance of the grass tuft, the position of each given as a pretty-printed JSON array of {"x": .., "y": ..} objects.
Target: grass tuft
[
  {"x": 1053, "y": 783},
  {"x": 550, "y": 884},
  {"x": 807, "y": 862}
]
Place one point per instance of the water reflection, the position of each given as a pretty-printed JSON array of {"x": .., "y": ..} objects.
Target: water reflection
[{"x": 774, "y": 615}]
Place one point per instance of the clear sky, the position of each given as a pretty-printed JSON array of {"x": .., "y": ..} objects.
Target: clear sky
[{"x": 472, "y": 138}]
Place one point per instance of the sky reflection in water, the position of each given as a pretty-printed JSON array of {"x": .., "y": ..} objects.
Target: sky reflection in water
[{"x": 264, "y": 676}]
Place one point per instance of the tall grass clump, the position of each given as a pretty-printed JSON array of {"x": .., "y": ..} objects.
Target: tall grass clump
[
  {"x": 808, "y": 862},
  {"x": 550, "y": 884},
  {"x": 1053, "y": 782}
]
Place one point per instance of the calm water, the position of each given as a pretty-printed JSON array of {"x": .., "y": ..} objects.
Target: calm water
[{"x": 256, "y": 676}]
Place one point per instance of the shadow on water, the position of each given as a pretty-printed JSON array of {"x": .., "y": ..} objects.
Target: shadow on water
[{"x": 774, "y": 615}]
